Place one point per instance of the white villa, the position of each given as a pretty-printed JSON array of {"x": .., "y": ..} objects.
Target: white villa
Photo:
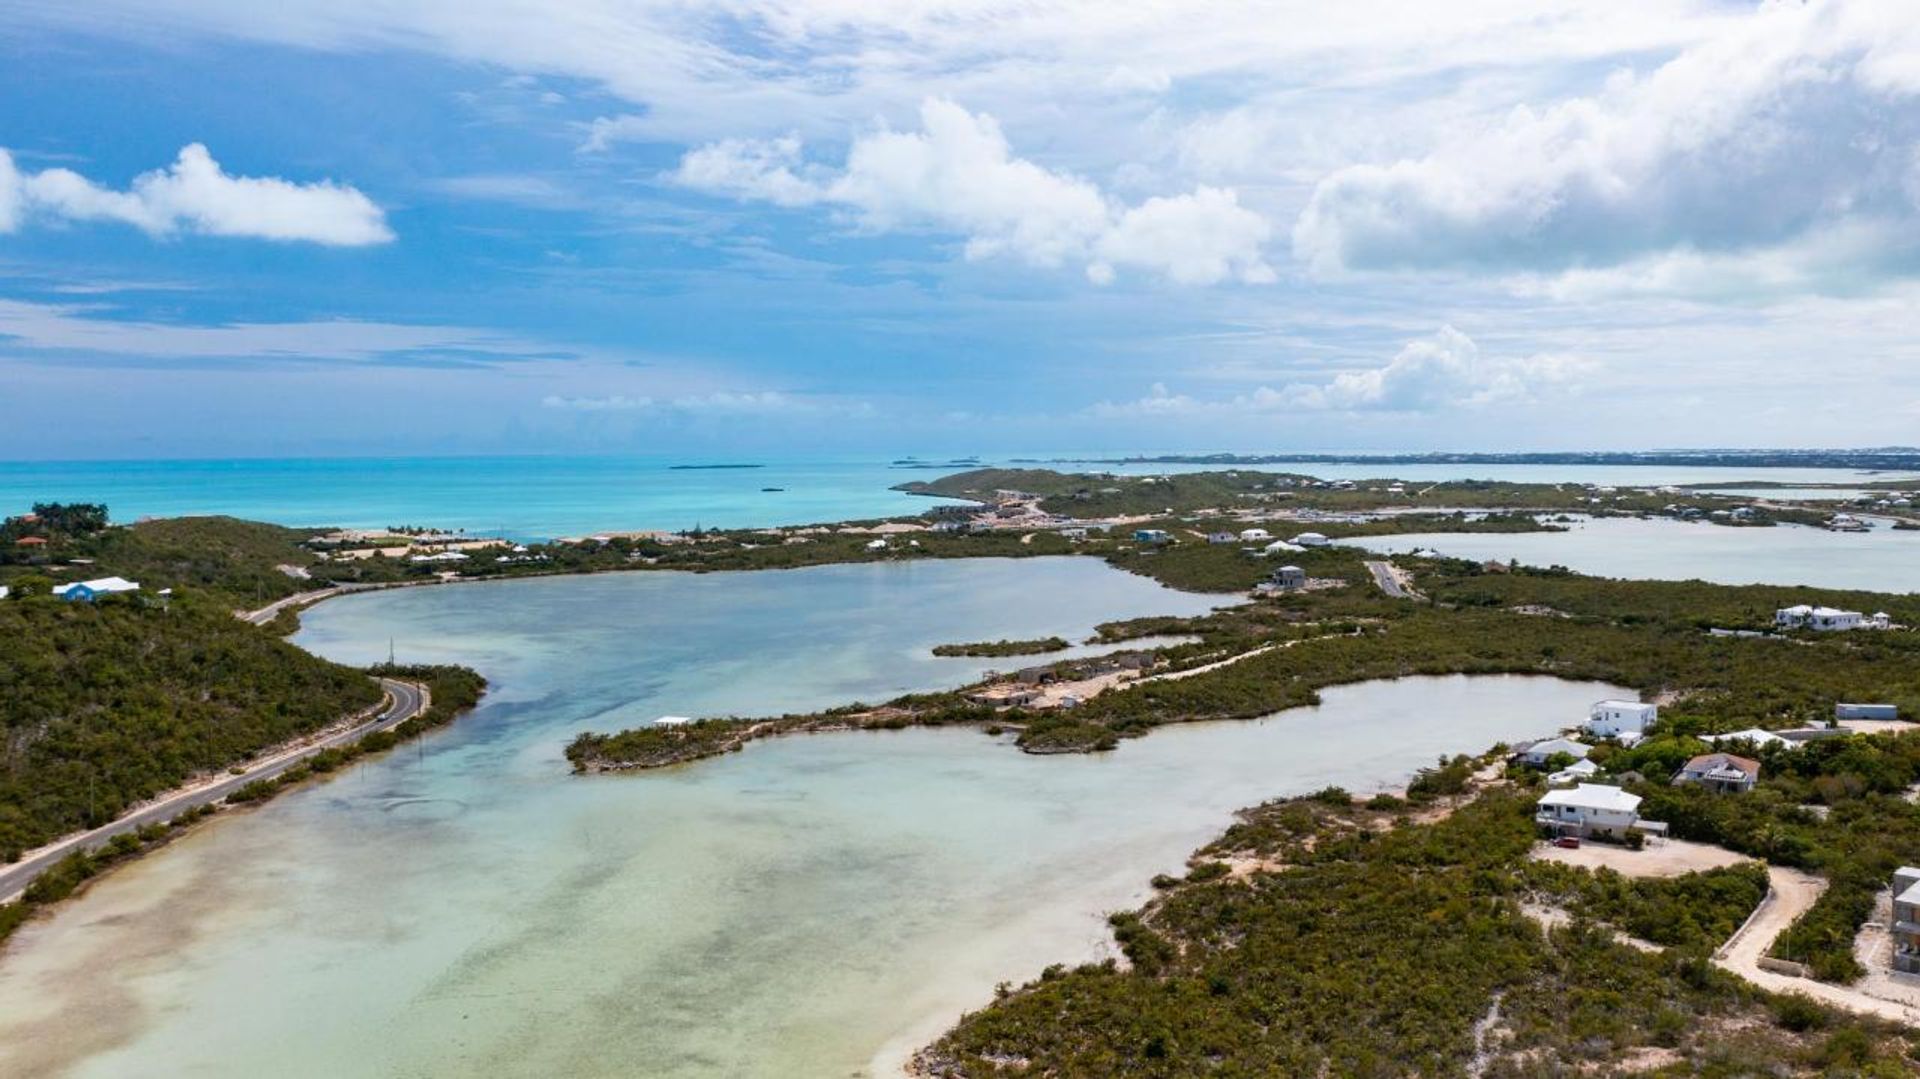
[
  {"x": 1802, "y": 616},
  {"x": 1593, "y": 809},
  {"x": 1578, "y": 772},
  {"x": 1625, "y": 720},
  {"x": 1906, "y": 919},
  {"x": 1759, "y": 738},
  {"x": 88, "y": 591},
  {"x": 1539, "y": 753},
  {"x": 1255, "y": 535},
  {"x": 1311, "y": 539}
]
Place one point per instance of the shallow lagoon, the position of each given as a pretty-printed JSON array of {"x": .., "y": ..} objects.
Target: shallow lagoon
[
  {"x": 1882, "y": 560},
  {"x": 813, "y": 906}
]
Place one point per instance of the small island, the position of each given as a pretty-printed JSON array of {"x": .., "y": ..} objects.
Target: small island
[{"x": 1004, "y": 648}]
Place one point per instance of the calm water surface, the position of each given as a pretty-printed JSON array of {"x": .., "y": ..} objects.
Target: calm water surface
[
  {"x": 1882, "y": 560},
  {"x": 542, "y": 497},
  {"x": 813, "y": 906}
]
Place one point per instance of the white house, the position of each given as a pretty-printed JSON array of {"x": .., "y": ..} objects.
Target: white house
[
  {"x": 1577, "y": 772},
  {"x": 1255, "y": 535},
  {"x": 1840, "y": 711},
  {"x": 1289, "y": 577},
  {"x": 442, "y": 556},
  {"x": 877, "y": 545},
  {"x": 1311, "y": 539},
  {"x": 1755, "y": 735},
  {"x": 672, "y": 721},
  {"x": 1537, "y": 754},
  {"x": 5, "y": 591},
  {"x": 1626, "y": 720},
  {"x": 1223, "y": 538},
  {"x": 1282, "y": 547},
  {"x": 1906, "y": 919},
  {"x": 88, "y": 591},
  {"x": 1802, "y": 616},
  {"x": 1592, "y": 809}
]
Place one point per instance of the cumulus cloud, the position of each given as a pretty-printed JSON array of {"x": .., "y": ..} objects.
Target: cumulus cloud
[
  {"x": 1800, "y": 122},
  {"x": 958, "y": 174},
  {"x": 195, "y": 195},
  {"x": 1429, "y": 374}
]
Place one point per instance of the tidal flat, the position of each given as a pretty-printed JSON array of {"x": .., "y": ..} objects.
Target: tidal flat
[{"x": 815, "y": 905}]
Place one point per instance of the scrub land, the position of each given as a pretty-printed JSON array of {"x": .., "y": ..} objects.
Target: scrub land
[{"x": 1320, "y": 935}]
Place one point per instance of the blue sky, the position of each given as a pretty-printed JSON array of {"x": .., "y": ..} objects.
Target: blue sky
[{"x": 350, "y": 227}]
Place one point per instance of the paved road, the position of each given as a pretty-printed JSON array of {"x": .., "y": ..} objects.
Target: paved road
[
  {"x": 404, "y": 701},
  {"x": 1389, "y": 582}
]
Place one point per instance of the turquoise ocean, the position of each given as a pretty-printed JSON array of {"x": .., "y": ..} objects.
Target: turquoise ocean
[{"x": 540, "y": 497}]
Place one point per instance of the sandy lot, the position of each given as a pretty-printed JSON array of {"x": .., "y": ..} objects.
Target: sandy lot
[{"x": 1661, "y": 858}]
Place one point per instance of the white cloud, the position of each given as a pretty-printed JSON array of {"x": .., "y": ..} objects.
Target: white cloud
[
  {"x": 719, "y": 403},
  {"x": 615, "y": 403},
  {"x": 1762, "y": 143},
  {"x": 1430, "y": 374},
  {"x": 80, "y": 329},
  {"x": 195, "y": 195},
  {"x": 959, "y": 174}
]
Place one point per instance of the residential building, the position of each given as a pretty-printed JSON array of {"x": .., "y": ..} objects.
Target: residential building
[
  {"x": 1005, "y": 696},
  {"x": 1290, "y": 577},
  {"x": 1592, "y": 810},
  {"x": 88, "y": 591},
  {"x": 1803, "y": 616},
  {"x": 1577, "y": 772},
  {"x": 1151, "y": 535},
  {"x": 1537, "y": 754},
  {"x": 1906, "y": 919},
  {"x": 5, "y": 591},
  {"x": 30, "y": 541},
  {"x": 1866, "y": 711},
  {"x": 1722, "y": 772},
  {"x": 1626, "y": 720},
  {"x": 1311, "y": 539},
  {"x": 1255, "y": 535},
  {"x": 1758, "y": 738},
  {"x": 1223, "y": 538}
]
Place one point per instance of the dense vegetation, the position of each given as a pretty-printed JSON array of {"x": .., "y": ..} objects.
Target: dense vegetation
[
  {"x": 105, "y": 704},
  {"x": 1864, "y": 828},
  {"x": 1387, "y": 950},
  {"x": 1004, "y": 648},
  {"x": 1104, "y": 494}
]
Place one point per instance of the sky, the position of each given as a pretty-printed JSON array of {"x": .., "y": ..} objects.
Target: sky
[{"x": 355, "y": 227}]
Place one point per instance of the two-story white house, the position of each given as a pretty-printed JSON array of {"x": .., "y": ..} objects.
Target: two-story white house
[
  {"x": 1906, "y": 919},
  {"x": 1723, "y": 772},
  {"x": 1625, "y": 720},
  {"x": 1592, "y": 809}
]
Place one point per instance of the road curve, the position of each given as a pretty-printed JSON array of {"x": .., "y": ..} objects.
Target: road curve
[{"x": 404, "y": 701}]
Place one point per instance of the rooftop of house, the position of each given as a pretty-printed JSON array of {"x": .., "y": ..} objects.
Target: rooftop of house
[
  {"x": 1547, "y": 747},
  {"x": 1593, "y": 796},
  {"x": 1708, "y": 763}
]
